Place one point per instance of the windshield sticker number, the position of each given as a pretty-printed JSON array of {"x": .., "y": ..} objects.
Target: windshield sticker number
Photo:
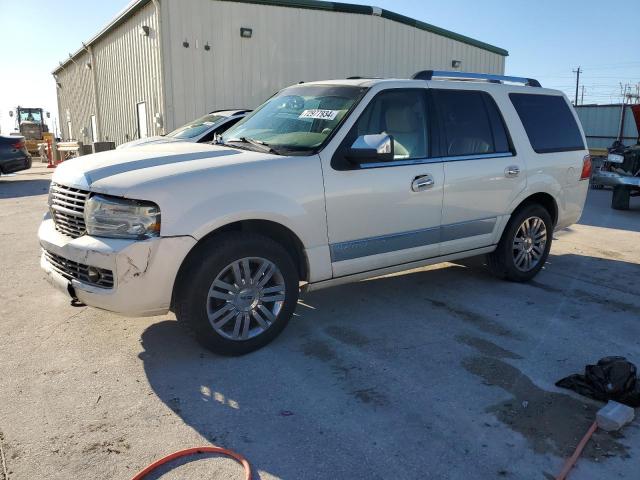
[{"x": 319, "y": 114}]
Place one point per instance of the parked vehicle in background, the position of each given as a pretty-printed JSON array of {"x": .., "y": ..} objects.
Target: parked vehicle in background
[
  {"x": 203, "y": 129},
  {"x": 621, "y": 170},
  {"x": 32, "y": 126},
  {"x": 13, "y": 154},
  {"x": 325, "y": 183}
]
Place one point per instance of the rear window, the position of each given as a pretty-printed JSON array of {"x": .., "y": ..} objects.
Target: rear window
[{"x": 548, "y": 121}]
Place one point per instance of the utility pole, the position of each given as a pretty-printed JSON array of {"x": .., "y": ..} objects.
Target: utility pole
[
  {"x": 582, "y": 96},
  {"x": 623, "y": 92},
  {"x": 577, "y": 72}
]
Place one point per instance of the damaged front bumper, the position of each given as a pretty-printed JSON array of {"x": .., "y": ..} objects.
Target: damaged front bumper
[{"x": 129, "y": 277}]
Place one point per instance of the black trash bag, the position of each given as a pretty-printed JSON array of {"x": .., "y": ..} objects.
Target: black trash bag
[{"x": 612, "y": 378}]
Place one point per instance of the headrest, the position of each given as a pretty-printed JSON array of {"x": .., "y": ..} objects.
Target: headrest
[{"x": 401, "y": 119}]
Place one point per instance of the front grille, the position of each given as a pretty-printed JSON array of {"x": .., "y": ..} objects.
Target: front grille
[
  {"x": 78, "y": 271},
  {"x": 67, "y": 209}
]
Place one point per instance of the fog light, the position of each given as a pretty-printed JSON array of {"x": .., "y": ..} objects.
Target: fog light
[{"x": 94, "y": 274}]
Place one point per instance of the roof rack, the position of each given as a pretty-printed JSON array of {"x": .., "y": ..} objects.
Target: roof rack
[{"x": 430, "y": 74}]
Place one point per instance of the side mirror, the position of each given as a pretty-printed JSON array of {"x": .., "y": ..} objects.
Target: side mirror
[{"x": 371, "y": 148}]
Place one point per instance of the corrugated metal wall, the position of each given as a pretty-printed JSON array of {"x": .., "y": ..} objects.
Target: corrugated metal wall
[
  {"x": 601, "y": 124},
  {"x": 127, "y": 69},
  {"x": 289, "y": 45},
  {"x": 75, "y": 99},
  {"x": 128, "y": 72}
]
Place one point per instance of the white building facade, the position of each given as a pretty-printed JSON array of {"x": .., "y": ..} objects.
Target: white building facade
[{"x": 162, "y": 63}]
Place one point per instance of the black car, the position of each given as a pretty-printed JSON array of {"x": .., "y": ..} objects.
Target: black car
[{"x": 13, "y": 154}]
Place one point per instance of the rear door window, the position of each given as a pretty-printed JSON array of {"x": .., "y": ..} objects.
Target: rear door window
[
  {"x": 548, "y": 121},
  {"x": 471, "y": 123}
]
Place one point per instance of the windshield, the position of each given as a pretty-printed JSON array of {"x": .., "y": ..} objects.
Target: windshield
[
  {"x": 299, "y": 118},
  {"x": 30, "y": 115},
  {"x": 197, "y": 127}
]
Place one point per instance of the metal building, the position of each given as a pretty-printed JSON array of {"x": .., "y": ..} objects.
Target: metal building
[
  {"x": 604, "y": 124},
  {"x": 161, "y": 63}
]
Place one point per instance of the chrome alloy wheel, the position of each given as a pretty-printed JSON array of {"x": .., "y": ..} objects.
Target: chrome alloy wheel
[
  {"x": 245, "y": 298},
  {"x": 529, "y": 244}
]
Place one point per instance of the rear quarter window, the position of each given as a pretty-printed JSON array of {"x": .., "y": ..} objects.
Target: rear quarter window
[{"x": 548, "y": 121}]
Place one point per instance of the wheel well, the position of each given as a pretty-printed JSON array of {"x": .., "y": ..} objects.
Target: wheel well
[
  {"x": 545, "y": 200},
  {"x": 275, "y": 231}
]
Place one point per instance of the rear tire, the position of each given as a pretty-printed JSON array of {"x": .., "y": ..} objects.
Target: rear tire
[
  {"x": 620, "y": 198},
  {"x": 237, "y": 292},
  {"x": 524, "y": 246}
]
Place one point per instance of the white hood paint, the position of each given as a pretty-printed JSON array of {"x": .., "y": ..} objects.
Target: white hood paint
[
  {"x": 152, "y": 140},
  {"x": 116, "y": 172}
]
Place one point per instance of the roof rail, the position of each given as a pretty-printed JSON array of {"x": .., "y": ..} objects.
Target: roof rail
[{"x": 489, "y": 77}]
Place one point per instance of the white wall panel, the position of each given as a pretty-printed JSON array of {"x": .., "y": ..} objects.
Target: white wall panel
[
  {"x": 75, "y": 96},
  {"x": 128, "y": 72},
  {"x": 289, "y": 45}
]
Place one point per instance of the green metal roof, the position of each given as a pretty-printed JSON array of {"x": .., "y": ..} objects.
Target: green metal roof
[{"x": 367, "y": 10}]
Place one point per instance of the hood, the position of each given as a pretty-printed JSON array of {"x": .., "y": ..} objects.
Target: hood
[
  {"x": 152, "y": 140},
  {"x": 117, "y": 172}
]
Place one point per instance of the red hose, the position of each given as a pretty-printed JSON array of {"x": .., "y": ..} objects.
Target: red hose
[
  {"x": 568, "y": 465},
  {"x": 192, "y": 451}
]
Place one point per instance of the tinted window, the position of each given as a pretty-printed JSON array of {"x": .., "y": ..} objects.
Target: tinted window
[
  {"x": 197, "y": 127},
  {"x": 401, "y": 114},
  {"x": 549, "y": 123},
  {"x": 471, "y": 123},
  {"x": 209, "y": 137}
]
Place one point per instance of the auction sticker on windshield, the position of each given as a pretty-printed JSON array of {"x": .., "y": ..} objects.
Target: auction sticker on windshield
[{"x": 319, "y": 114}]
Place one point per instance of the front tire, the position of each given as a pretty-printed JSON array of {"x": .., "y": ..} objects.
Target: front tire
[
  {"x": 524, "y": 246},
  {"x": 237, "y": 292}
]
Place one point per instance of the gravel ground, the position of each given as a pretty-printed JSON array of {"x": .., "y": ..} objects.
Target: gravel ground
[{"x": 441, "y": 372}]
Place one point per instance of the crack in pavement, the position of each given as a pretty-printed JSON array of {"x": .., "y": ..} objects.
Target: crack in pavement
[{"x": 5, "y": 475}]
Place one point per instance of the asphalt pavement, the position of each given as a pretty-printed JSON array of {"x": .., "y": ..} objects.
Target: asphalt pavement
[{"x": 442, "y": 372}]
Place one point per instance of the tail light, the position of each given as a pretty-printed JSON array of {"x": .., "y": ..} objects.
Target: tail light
[
  {"x": 586, "y": 168},
  {"x": 19, "y": 145}
]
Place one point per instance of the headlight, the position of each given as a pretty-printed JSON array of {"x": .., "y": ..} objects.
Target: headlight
[{"x": 115, "y": 217}]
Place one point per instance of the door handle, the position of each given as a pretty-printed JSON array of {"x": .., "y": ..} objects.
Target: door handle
[
  {"x": 511, "y": 171},
  {"x": 422, "y": 182}
]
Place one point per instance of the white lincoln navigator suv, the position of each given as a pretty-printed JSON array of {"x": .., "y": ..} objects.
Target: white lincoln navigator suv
[{"x": 327, "y": 182}]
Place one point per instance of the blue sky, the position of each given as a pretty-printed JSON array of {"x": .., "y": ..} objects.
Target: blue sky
[{"x": 545, "y": 39}]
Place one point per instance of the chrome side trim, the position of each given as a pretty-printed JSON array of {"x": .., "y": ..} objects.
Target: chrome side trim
[
  {"x": 421, "y": 161},
  {"x": 365, "y": 247},
  {"x": 383, "y": 244},
  {"x": 456, "y": 231}
]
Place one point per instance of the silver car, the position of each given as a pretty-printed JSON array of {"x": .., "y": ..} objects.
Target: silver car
[{"x": 200, "y": 130}]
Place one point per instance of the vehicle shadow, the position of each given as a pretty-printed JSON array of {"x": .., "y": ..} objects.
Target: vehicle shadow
[
  {"x": 395, "y": 376},
  {"x": 15, "y": 188}
]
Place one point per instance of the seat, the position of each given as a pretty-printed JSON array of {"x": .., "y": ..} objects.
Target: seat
[
  {"x": 468, "y": 146},
  {"x": 405, "y": 127}
]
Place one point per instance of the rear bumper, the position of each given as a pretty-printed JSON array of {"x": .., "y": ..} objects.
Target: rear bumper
[
  {"x": 12, "y": 165},
  {"x": 144, "y": 272},
  {"x": 612, "y": 179},
  {"x": 571, "y": 204}
]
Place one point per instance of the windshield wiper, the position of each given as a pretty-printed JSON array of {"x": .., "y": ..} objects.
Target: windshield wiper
[{"x": 263, "y": 146}]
